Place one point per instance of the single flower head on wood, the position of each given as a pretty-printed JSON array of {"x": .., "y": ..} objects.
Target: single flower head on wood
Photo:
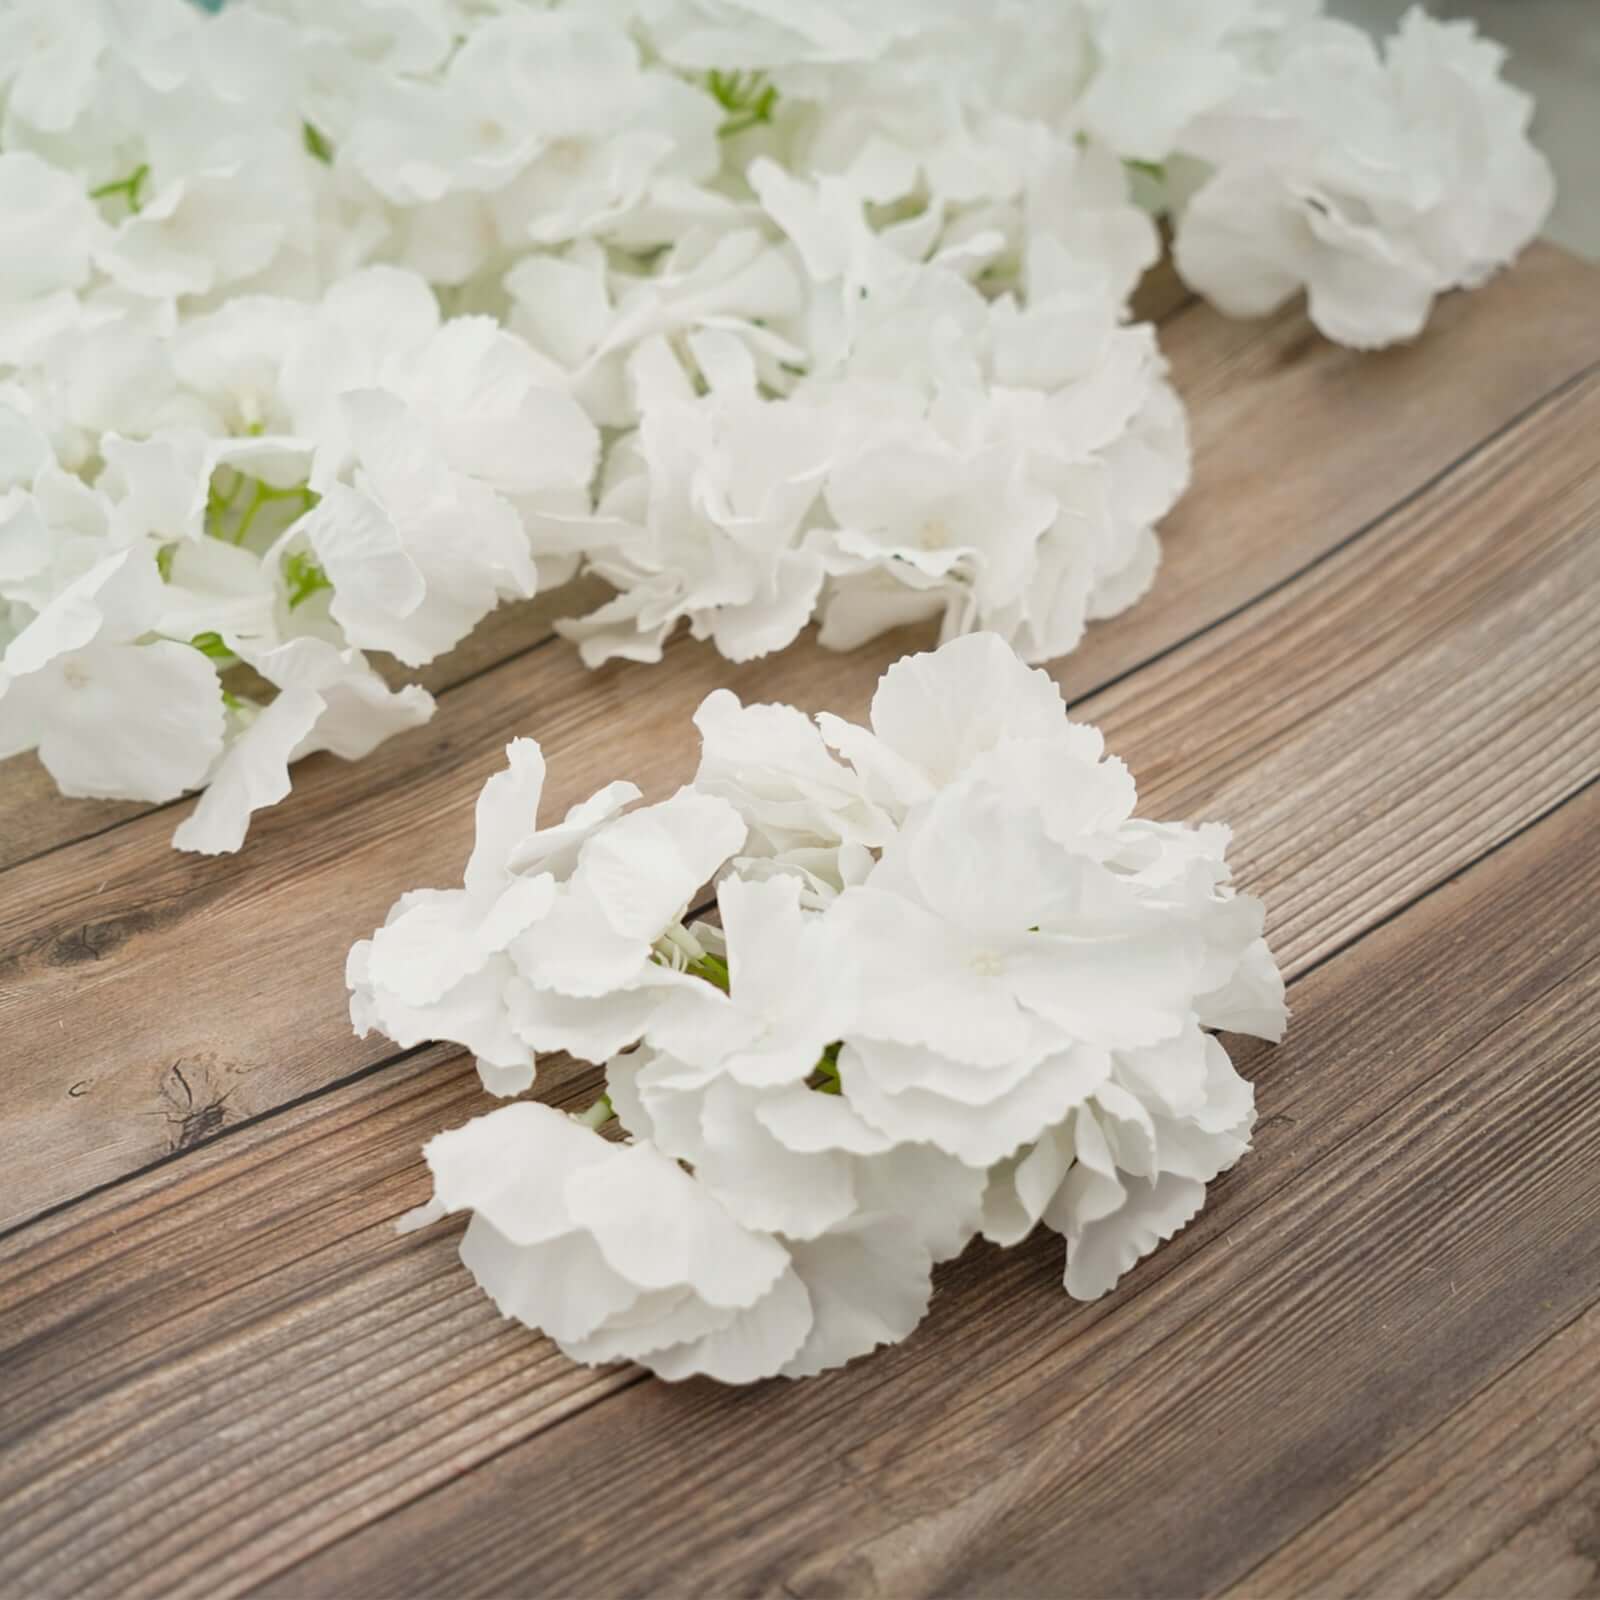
[{"x": 953, "y": 986}]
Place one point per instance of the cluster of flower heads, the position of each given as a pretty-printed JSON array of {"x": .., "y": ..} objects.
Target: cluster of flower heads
[
  {"x": 328, "y": 325},
  {"x": 955, "y": 987}
]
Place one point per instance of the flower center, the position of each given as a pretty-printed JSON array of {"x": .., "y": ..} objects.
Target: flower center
[
  {"x": 74, "y": 676},
  {"x": 988, "y": 964},
  {"x": 935, "y": 534},
  {"x": 566, "y": 155}
]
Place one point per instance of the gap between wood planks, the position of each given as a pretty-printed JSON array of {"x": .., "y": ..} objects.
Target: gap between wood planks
[
  {"x": 1101, "y": 696},
  {"x": 1168, "y": 1279},
  {"x": 164, "y": 933}
]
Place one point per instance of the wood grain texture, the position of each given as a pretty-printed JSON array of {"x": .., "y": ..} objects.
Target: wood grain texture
[
  {"x": 1418, "y": 1212},
  {"x": 108, "y": 1075},
  {"x": 274, "y": 1367},
  {"x": 1503, "y": 1498},
  {"x": 351, "y": 1161},
  {"x": 1373, "y": 649}
]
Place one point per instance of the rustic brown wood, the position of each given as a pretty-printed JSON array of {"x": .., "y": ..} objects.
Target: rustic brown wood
[
  {"x": 275, "y": 1368},
  {"x": 1419, "y": 1213},
  {"x": 1236, "y": 706},
  {"x": 1372, "y": 649},
  {"x": 1502, "y": 1499}
]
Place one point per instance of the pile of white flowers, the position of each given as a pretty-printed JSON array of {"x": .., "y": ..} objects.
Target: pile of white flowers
[
  {"x": 328, "y": 325},
  {"x": 955, "y": 988}
]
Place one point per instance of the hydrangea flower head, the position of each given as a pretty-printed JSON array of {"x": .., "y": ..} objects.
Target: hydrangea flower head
[{"x": 953, "y": 986}]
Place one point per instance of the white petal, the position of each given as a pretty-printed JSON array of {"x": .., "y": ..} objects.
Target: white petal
[
  {"x": 1100, "y": 1252},
  {"x": 252, "y": 774},
  {"x": 869, "y": 1281},
  {"x": 657, "y": 1227},
  {"x": 756, "y": 1344}
]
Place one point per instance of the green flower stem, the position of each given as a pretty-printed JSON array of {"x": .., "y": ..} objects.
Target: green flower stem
[
  {"x": 713, "y": 969},
  {"x": 128, "y": 188},
  {"x": 597, "y": 1115},
  {"x": 258, "y": 500},
  {"x": 264, "y": 494}
]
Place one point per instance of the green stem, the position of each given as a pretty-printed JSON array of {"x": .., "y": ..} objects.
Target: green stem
[
  {"x": 128, "y": 187},
  {"x": 713, "y": 969},
  {"x": 257, "y": 500},
  {"x": 597, "y": 1115}
]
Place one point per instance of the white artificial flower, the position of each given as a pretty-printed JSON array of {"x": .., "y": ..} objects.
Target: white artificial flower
[
  {"x": 702, "y": 517},
  {"x": 1373, "y": 183},
  {"x": 806, "y": 812},
  {"x": 998, "y": 1018},
  {"x": 590, "y": 974},
  {"x": 936, "y": 713},
  {"x": 1129, "y": 1167},
  {"x": 49, "y": 228},
  {"x": 1160, "y": 66},
  {"x": 111, "y": 716},
  {"x": 437, "y": 969},
  {"x": 589, "y": 318},
  {"x": 551, "y": 942},
  {"x": 363, "y": 318},
  {"x": 327, "y": 699},
  {"x": 417, "y": 553},
  {"x": 48, "y": 60},
  {"x": 617, "y": 1254},
  {"x": 614, "y": 1249}
]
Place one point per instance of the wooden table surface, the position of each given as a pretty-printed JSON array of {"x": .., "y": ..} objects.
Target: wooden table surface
[{"x": 1371, "y": 1366}]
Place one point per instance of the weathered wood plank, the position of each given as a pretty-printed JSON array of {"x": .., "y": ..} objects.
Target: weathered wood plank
[
  {"x": 242, "y": 1335},
  {"x": 126, "y": 997},
  {"x": 247, "y": 1317},
  {"x": 1502, "y": 1499},
  {"x": 1422, "y": 1211}
]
